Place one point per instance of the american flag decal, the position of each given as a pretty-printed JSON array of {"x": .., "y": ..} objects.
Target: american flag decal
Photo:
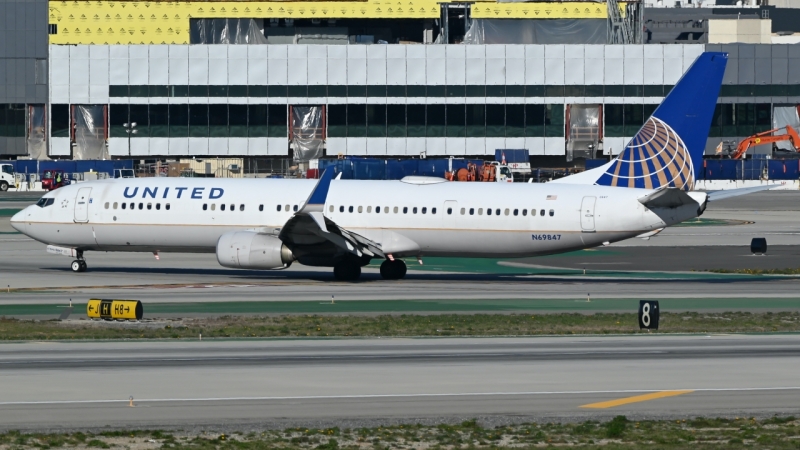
[{"x": 552, "y": 197}]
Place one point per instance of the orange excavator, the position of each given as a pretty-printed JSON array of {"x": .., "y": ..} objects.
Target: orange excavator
[{"x": 766, "y": 137}]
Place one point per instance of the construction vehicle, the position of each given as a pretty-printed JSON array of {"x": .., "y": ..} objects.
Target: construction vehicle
[
  {"x": 490, "y": 171},
  {"x": 763, "y": 138}
]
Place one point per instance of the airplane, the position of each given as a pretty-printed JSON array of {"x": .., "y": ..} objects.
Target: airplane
[{"x": 345, "y": 224}]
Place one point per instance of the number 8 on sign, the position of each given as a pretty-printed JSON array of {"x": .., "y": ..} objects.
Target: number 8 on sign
[{"x": 648, "y": 314}]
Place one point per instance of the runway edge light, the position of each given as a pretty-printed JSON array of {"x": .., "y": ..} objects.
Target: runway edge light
[
  {"x": 648, "y": 314},
  {"x": 114, "y": 309}
]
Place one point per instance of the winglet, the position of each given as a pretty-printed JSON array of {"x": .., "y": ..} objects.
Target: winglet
[{"x": 316, "y": 201}]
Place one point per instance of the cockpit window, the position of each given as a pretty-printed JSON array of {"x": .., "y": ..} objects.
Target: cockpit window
[{"x": 45, "y": 202}]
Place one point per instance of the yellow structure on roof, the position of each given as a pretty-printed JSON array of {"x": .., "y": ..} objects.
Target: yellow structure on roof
[{"x": 164, "y": 22}]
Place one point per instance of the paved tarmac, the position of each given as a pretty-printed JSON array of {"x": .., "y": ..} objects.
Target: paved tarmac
[{"x": 371, "y": 381}]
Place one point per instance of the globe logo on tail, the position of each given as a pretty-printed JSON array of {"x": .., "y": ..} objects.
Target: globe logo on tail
[{"x": 656, "y": 157}]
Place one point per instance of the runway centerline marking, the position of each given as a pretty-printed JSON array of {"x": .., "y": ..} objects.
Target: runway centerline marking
[
  {"x": 635, "y": 399},
  {"x": 384, "y": 396}
]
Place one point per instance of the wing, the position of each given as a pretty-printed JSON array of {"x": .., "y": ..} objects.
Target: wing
[{"x": 313, "y": 237}]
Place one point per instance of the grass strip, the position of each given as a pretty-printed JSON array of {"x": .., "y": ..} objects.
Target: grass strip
[
  {"x": 698, "y": 433},
  {"x": 291, "y": 326},
  {"x": 787, "y": 271}
]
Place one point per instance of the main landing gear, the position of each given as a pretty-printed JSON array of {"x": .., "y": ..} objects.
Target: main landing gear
[
  {"x": 393, "y": 269},
  {"x": 347, "y": 271}
]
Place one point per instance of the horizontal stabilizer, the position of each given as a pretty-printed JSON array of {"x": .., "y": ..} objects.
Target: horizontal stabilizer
[
  {"x": 666, "y": 198},
  {"x": 720, "y": 195}
]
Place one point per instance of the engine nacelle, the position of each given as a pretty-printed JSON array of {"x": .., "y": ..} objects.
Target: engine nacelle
[{"x": 250, "y": 250}]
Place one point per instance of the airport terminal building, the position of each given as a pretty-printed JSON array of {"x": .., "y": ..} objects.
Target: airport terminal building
[{"x": 377, "y": 78}]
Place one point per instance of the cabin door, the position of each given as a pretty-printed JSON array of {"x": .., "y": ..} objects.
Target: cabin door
[
  {"x": 587, "y": 214},
  {"x": 82, "y": 204}
]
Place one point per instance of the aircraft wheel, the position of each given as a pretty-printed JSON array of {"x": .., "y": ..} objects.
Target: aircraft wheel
[
  {"x": 77, "y": 266},
  {"x": 83, "y": 266},
  {"x": 346, "y": 272},
  {"x": 393, "y": 270}
]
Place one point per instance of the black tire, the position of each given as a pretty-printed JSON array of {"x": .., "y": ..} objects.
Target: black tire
[
  {"x": 83, "y": 266},
  {"x": 393, "y": 270},
  {"x": 3, "y": 186},
  {"x": 346, "y": 272}
]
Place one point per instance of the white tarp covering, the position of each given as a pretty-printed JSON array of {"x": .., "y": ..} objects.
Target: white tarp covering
[
  {"x": 90, "y": 132},
  {"x": 37, "y": 147},
  {"x": 540, "y": 31},
  {"x": 782, "y": 116},
  {"x": 307, "y": 133},
  {"x": 226, "y": 31},
  {"x": 584, "y": 130}
]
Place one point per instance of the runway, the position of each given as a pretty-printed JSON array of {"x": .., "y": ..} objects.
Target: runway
[{"x": 275, "y": 383}]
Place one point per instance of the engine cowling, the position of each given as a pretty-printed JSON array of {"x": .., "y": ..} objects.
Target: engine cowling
[{"x": 250, "y": 250}]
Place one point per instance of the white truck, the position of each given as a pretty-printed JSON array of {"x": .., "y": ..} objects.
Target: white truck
[{"x": 6, "y": 177}]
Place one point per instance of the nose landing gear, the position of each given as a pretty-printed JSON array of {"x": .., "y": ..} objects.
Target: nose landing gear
[{"x": 79, "y": 265}]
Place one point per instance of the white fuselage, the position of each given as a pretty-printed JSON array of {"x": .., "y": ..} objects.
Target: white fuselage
[{"x": 439, "y": 219}]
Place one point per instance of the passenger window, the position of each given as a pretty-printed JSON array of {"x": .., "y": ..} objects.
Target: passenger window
[
  {"x": 233, "y": 207},
  {"x": 133, "y": 206},
  {"x": 341, "y": 209},
  {"x": 261, "y": 208},
  {"x": 489, "y": 211},
  {"x": 360, "y": 209},
  {"x": 149, "y": 206},
  {"x": 507, "y": 212},
  {"x": 205, "y": 206},
  {"x": 330, "y": 209},
  {"x": 213, "y": 206},
  {"x": 462, "y": 211},
  {"x": 287, "y": 208},
  {"x": 369, "y": 209},
  {"x": 386, "y": 210},
  {"x": 552, "y": 213},
  {"x": 241, "y": 207},
  {"x": 158, "y": 206},
  {"x": 395, "y": 209},
  {"x": 516, "y": 212},
  {"x": 480, "y": 211},
  {"x": 377, "y": 210},
  {"x": 405, "y": 209},
  {"x": 295, "y": 208},
  {"x": 350, "y": 209},
  {"x": 279, "y": 207},
  {"x": 115, "y": 205},
  {"x": 424, "y": 210},
  {"x": 414, "y": 210},
  {"x": 472, "y": 211},
  {"x": 106, "y": 205},
  {"x": 524, "y": 212},
  {"x": 141, "y": 205},
  {"x": 124, "y": 205},
  {"x": 222, "y": 207},
  {"x": 497, "y": 212},
  {"x": 167, "y": 206},
  {"x": 541, "y": 213},
  {"x": 450, "y": 211}
]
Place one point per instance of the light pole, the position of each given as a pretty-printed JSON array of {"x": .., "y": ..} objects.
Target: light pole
[{"x": 130, "y": 128}]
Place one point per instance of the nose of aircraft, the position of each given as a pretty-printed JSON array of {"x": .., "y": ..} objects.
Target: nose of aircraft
[{"x": 17, "y": 221}]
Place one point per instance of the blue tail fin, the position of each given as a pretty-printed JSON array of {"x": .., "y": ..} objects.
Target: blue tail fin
[{"x": 668, "y": 149}]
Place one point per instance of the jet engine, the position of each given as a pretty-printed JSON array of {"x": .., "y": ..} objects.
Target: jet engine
[{"x": 250, "y": 250}]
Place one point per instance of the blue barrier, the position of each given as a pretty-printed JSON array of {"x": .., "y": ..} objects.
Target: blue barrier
[{"x": 69, "y": 166}]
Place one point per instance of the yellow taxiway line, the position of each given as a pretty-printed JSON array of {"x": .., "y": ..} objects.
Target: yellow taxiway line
[{"x": 634, "y": 399}]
